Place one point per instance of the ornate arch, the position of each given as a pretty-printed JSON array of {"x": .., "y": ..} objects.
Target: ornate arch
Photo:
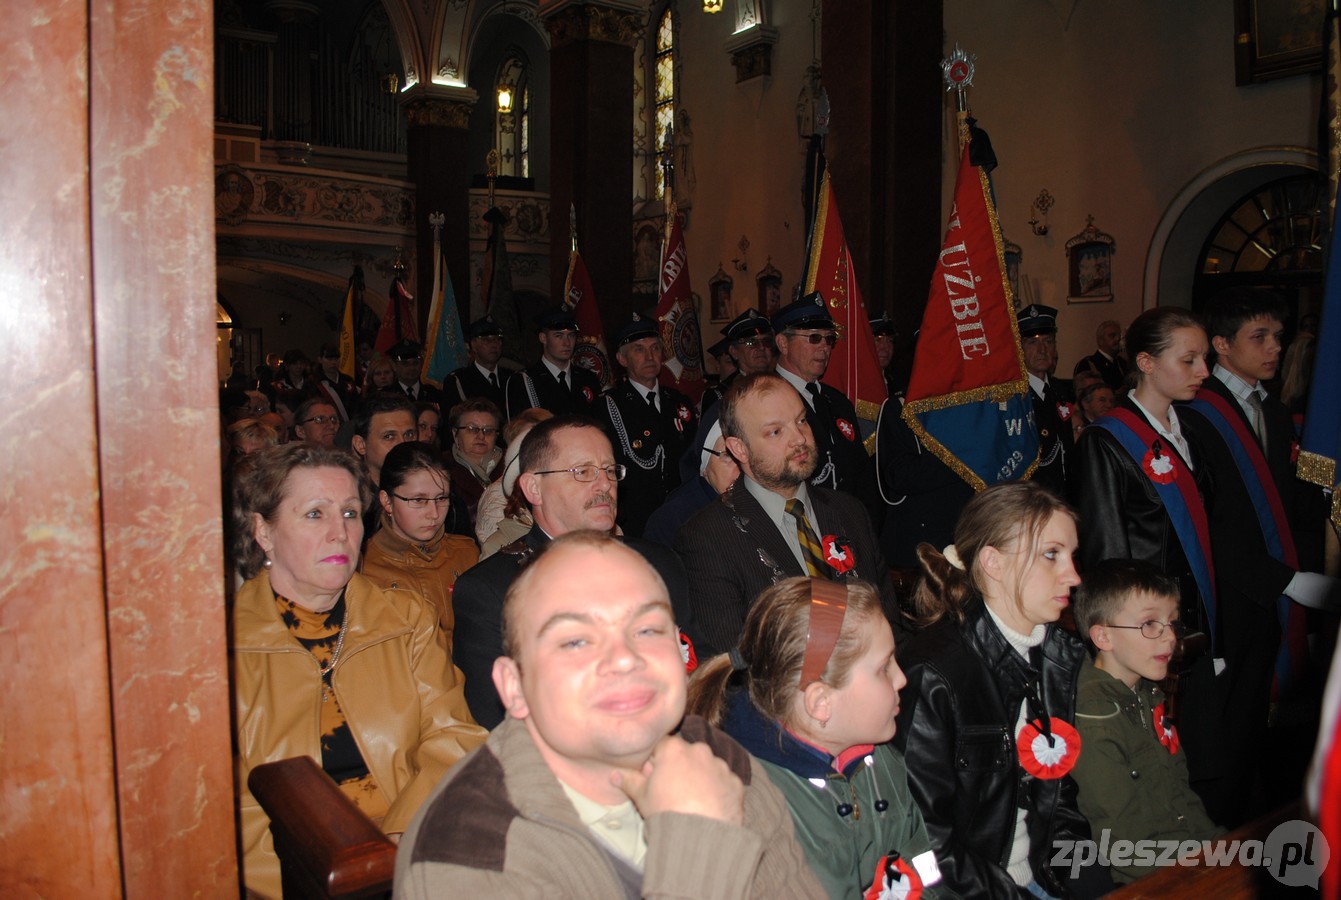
[
  {"x": 1176, "y": 244},
  {"x": 407, "y": 38}
]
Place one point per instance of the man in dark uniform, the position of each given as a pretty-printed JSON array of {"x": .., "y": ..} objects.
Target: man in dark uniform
[
  {"x": 649, "y": 424},
  {"x": 749, "y": 338},
  {"x": 1105, "y": 361},
  {"x": 482, "y": 376},
  {"x": 1052, "y": 408},
  {"x": 882, "y": 329},
  {"x": 554, "y": 383},
  {"x": 407, "y": 358},
  {"x": 804, "y": 334}
]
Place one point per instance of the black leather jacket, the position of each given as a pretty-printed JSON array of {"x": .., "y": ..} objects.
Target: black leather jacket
[{"x": 956, "y": 729}]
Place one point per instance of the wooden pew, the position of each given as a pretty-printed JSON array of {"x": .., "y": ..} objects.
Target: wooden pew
[
  {"x": 1214, "y": 882},
  {"x": 327, "y": 847}
]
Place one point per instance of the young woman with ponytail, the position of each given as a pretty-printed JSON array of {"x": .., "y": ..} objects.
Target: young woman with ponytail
[
  {"x": 812, "y": 692},
  {"x": 986, "y": 719}
]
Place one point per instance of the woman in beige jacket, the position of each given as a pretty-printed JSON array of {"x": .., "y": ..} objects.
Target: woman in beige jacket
[{"x": 325, "y": 663}]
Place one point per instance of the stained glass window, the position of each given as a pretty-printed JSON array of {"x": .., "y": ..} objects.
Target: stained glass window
[{"x": 665, "y": 94}]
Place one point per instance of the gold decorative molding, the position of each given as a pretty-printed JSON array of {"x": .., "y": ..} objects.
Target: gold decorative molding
[
  {"x": 440, "y": 112},
  {"x": 590, "y": 22}
]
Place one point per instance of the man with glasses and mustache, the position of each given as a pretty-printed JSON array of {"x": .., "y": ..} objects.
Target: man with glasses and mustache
[
  {"x": 570, "y": 481},
  {"x": 804, "y": 335}
]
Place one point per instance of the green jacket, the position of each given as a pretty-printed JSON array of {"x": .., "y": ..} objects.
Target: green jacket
[
  {"x": 1130, "y": 783},
  {"x": 845, "y": 821}
]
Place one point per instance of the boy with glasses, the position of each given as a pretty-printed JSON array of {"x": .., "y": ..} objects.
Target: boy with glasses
[{"x": 1131, "y": 772}]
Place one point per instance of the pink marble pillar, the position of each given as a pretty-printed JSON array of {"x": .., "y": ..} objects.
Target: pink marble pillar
[
  {"x": 152, "y": 176},
  {"x": 115, "y": 774}
]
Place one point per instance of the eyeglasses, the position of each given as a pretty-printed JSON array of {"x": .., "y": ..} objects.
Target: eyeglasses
[
  {"x": 421, "y": 502},
  {"x": 1154, "y": 629},
  {"x": 714, "y": 452},
  {"x": 487, "y": 430},
  {"x": 753, "y": 342},
  {"x": 815, "y": 337},
  {"x": 321, "y": 420},
  {"x": 259, "y": 410},
  {"x": 587, "y": 474},
  {"x": 408, "y": 359}
]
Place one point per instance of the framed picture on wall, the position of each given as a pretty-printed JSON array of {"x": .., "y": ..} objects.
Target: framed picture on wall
[
  {"x": 769, "y": 282},
  {"x": 719, "y": 296},
  {"x": 1276, "y": 39},
  {"x": 1090, "y": 265}
]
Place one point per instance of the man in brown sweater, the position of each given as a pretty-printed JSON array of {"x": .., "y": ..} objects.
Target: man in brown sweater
[{"x": 596, "y": 785}]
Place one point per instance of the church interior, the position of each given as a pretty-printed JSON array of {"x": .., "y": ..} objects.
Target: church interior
[{"x": 191, "y": 185}]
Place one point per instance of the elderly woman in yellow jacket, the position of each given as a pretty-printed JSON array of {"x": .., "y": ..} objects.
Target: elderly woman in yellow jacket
[
  {"x": 411, "y": 550},
  {"x": 325, "y": 663}
]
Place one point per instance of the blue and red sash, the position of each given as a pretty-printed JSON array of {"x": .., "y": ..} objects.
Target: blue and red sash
[
  {"x": 1252, "y": 466},
  {"x": 1177, "y": 490}
]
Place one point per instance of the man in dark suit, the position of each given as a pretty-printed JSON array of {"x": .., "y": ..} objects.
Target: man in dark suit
[
  {"x": 749, "y": 344},
  {"x": 649, "y": 424},
  {"x": 570, "y": 480},
  {"x": 804, "y": 335},
  {"x": 772, "y": 524},
  {"x": 554, "y": 383},
  {"x": 1106, "y": 361},
  {"x": 407, "y": 358},
  {"x": 482, "y": 376},
  {"x": 1245, "y": 330},
  {"x": 1051, "y": 396}
]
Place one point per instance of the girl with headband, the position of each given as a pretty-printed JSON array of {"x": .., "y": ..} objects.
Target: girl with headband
[
  {"x": 986, "y": 722},
  {"x": 812, "y": 692}
]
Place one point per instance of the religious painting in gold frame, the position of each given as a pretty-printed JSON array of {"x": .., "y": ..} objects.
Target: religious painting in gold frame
[{"x": 1277, "y": 39}]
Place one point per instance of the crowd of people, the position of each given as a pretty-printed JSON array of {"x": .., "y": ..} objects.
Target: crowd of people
[{"x": 570, "y": 642}]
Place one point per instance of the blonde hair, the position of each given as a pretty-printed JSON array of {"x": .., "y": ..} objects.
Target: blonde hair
[{"x": 773, "y": 647}]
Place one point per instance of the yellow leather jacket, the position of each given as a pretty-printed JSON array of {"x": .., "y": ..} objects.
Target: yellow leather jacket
[
  {"x": 401, "y": 695},
  {"x": 429, "y": 570}
]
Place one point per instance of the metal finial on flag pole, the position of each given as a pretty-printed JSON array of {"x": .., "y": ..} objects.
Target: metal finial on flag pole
[
  {"x": 572, "y": 226},
  {"x": 437, "y": 220},
  {"x": 958, "y": 69}
]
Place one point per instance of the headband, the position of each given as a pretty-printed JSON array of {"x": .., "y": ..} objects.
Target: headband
[{"x": 828, "y": 606}]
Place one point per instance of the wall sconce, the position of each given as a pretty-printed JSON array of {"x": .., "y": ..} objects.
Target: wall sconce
[
  {"x": 712, "y": 6},
  {"x": 1042, "y": 203},
  {"x": 505, "y": 98}
]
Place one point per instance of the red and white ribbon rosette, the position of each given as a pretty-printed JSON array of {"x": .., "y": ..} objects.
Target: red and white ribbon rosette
[
  {"x": 1048, "y": 760},
  {"x": 1160, "y": 467},
  {"x": 1164, "y": 730},
  {"x": 895, "y": 879},
  {"x": 839, "y": 556}
]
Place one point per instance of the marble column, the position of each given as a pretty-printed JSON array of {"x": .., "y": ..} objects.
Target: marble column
[
  {"x": 438, "y": 120},
  {"x": 152, "y": 226},
  {"x": 591, "y": 139}
]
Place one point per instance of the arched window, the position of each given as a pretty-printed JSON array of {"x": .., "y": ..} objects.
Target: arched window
[
  {"x": 1272, "y": 239},
  {"x": 512, "y": 125},
  {"x": 664, "y": 71}
]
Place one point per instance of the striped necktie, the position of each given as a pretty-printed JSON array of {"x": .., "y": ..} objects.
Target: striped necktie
[{"x": 811, "y": 551}]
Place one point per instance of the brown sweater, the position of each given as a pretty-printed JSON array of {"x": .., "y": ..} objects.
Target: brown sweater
[{"x": 500, "y": 826}]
